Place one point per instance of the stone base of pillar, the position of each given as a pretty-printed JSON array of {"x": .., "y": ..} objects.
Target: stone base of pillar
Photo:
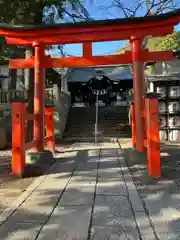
[{"x": 37, "y": 163}]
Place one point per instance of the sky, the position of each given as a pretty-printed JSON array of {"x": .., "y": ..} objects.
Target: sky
[{"x": 98, "y": 9}]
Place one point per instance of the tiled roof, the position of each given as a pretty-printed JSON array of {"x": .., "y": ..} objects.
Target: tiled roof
[{"x": 84, "y": 74}]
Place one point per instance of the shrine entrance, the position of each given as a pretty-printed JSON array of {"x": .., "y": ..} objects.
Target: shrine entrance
[{"x": 133, "y": 29}]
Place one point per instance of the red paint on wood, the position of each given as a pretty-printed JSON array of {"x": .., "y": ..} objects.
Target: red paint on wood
[
  {"x": 138, "y": 86},
  {"x": 87, "y": 49},
  {"x": 133, "y": 129},
  {"x": 39, "y": 89},
  {"x": 153, "y": 142},
  {"x": 30, "y": 116},
  {"x": 94, "y": 29},
  {"x": 18, "y": 139},
  {"x": 50, "y": 138},
  {"x": 88, "y": 36},
  {"x": 159, "y": 56},
  {"x": 30, "y": 145},
  {"x": 91, "y": 60}
]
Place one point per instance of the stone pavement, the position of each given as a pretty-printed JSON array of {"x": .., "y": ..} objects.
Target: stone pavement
[
  {"x": 88, "y": 194},
  {"x": 160, "y": 197},
  {"x": 11, "y": 187}
]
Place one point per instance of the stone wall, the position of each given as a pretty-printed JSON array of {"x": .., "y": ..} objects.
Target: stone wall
[{"x": 62, "y": 105}]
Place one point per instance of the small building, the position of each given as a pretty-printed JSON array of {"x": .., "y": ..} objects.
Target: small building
[{"x": 120, "y": 77}]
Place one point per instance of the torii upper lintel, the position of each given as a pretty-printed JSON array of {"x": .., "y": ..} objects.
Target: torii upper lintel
[{"x": 93, "y": 31}]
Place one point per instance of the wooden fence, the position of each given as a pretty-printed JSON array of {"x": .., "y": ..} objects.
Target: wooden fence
[{"x": 6, "y": 97}]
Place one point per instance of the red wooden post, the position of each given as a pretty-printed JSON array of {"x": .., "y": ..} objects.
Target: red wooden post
[
  {"x": 133, "y": 129},
  {"x": 153, "y": 142},
  {"x": 18, "y": 138},
  {"x": 39, "y": 90},
  {"x": 138, "y": 86},
  {"x": 50, "y": 128},
  {"x": 87, "y": 49}
]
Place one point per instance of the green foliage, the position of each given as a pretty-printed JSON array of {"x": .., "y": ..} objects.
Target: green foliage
[
  {"x": 127, "y": 47},
  {"x": 169, "y": 42},
  {"x": 26, "y": 11},
  {"x": 35, "y": 12}
]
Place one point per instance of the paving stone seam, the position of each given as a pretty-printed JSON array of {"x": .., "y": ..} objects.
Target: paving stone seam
[
  {"x": 73, "y": 171},
  {"x": 56, "y": 204},
  {"x": 7, "y": 212},
  {"x": 94, "y": 198},
  {"x": 142, "y": 201},
  {"x": 115, "y": 195},
  {"x": 147, "y": 212},
  {"x": 135, "y": 211},
  {"x": 132, "y": 209},
  {"x": 76, "y": 205},
  {"x": 144, "y": 206}
]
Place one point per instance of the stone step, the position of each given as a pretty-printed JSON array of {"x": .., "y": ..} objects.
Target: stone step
[{"x": 81, "y": 122}]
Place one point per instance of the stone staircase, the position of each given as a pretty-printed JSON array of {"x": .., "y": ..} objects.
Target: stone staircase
[{"x": 113, "y": 123}]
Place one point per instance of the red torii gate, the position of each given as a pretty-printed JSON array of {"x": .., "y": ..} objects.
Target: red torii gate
[{"x": 134, "y": 29}]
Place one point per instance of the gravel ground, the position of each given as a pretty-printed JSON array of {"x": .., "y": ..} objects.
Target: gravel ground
[
  {"x": 170, "y": 165},
  {"x": 10, "y": 187}
]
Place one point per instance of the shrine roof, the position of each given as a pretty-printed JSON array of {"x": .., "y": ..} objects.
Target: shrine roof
[{"x": 120, "y": 21}]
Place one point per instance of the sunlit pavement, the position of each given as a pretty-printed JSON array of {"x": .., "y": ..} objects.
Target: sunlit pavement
[{"x": 88, "y": 194}]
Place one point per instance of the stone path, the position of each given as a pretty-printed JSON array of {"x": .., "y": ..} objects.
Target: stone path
[
  {"x": 161, "y": 197},
  {"x": 87, "y": 195}
]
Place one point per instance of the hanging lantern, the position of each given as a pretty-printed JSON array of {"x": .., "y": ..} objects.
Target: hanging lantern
[
  {"x": 174, "y": 121},
  {"x": 161, "y": 91},
  {"x": 174, "y": 135},
  {"x": 173, "y": 107},
  {"x": 174, "y": 92},
  {"x": 162, "y": 121},
  {"x": 163, "y": 135},
  {"x": 162, "y": 107}
]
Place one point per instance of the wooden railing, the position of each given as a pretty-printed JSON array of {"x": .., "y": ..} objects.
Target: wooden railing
[
  {"x": 152, "y": 142},
  {"x": 19, "y": 145},
  {"x": 7, "y": 96}
]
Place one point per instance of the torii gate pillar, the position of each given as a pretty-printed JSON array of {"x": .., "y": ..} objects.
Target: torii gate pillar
[
  {"x": 138, "y": 87},
  {"x": 39, "y": 89}
]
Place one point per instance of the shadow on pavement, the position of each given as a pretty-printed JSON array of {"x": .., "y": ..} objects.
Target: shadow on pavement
[
  {"x": 161, "y": 197},
  {"x": 74, "y": 196}
]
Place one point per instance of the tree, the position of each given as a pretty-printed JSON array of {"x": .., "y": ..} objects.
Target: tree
[
  {"x": 38, "y": 12},
  {"x": 34, "y": 12},
  {"x": 126, "y": 47},
  {"x": 135, "y": 8},
  {"x": 170, "y": 42}
]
